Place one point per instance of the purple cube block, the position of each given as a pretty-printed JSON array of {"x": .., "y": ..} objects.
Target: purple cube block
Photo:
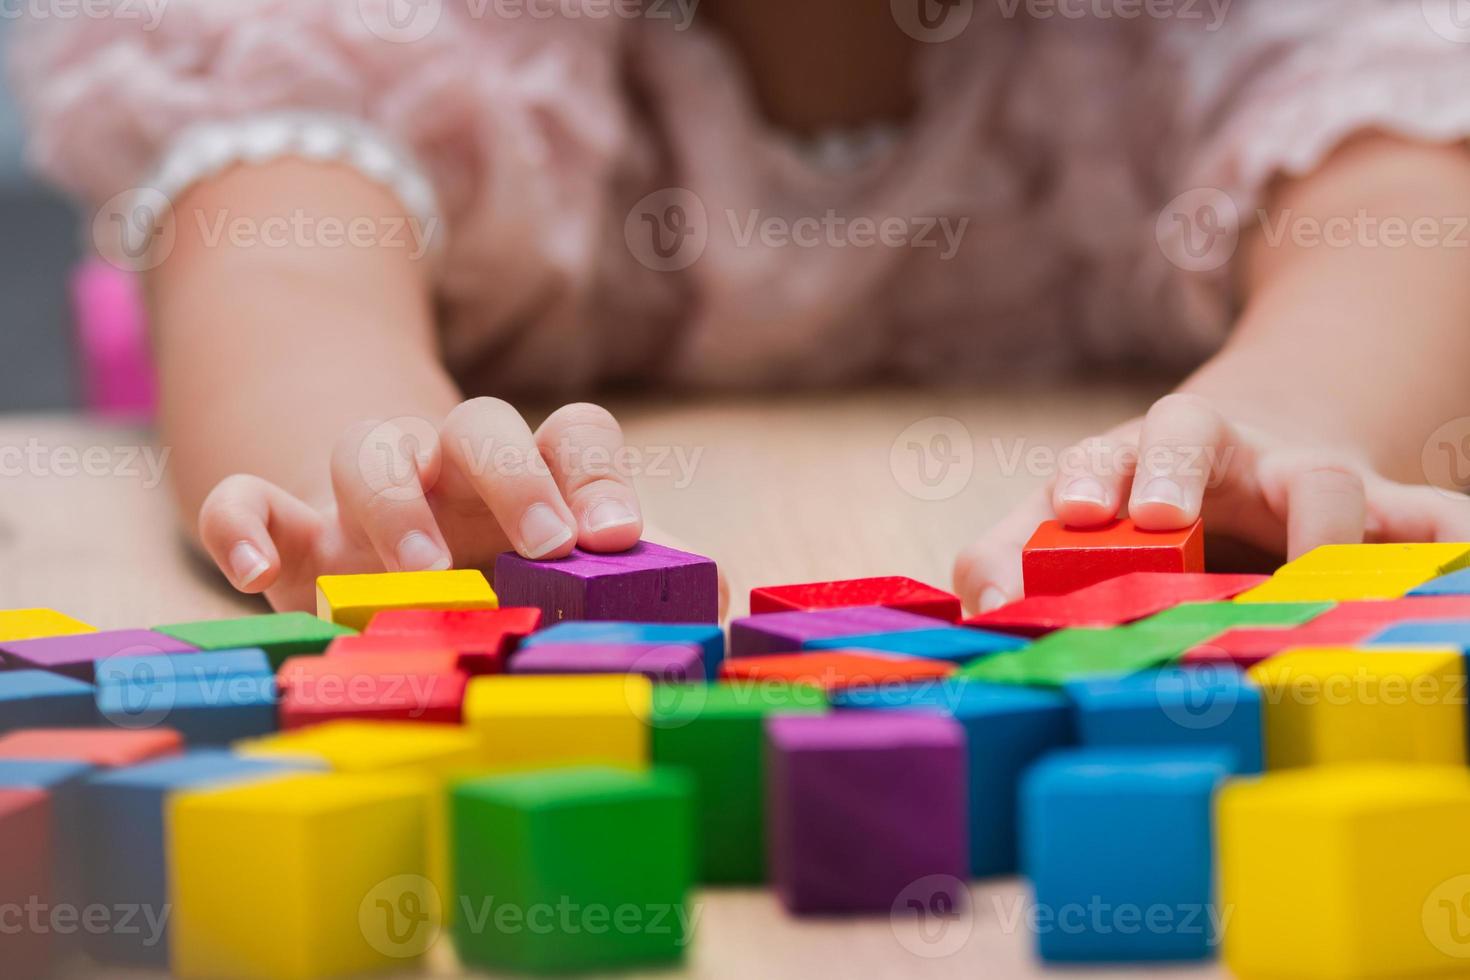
[
  {"x": 646, "y": 584},
  {"x": 77, "y": 655},
  {"x": 787, "y": 632},
  {"x": 863, "y": 808},
  {"x": 657, "y": 661}
]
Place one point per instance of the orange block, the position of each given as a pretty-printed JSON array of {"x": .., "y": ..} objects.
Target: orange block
[
  {"x": 1060, "y": 559},
  {"x": 110, "y": 747},
  {"x": 835, "y": 670}
]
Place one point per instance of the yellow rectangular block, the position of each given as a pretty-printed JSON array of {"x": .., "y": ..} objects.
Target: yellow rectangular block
[
  {"x": 1336, "y": 559},
  {"x": 352, "y": 600},
  {"x": 1346, "y": 873},
  {"x": 33, "y": 624},
  {"x": 1330, "y": 705},
  {"x": 1345, "y": 587},
  {"x": 319, "y": 875},
  {"x": 531, "y": 722}
]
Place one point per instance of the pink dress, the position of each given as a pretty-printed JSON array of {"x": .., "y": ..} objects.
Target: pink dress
[{"x": 610, "y": 204}]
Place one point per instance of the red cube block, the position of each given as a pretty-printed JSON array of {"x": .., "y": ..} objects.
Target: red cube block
[
  {"x": 484, "y": 638},
  {"x": 382, "y": 687},
  {"x": 893, "y": 591},
  {"x": 1060, "y": 559},
  {"x": 26, "y": 882}
]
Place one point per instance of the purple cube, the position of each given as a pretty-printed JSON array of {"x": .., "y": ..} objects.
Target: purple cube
[
  {"x": 76, "y": 655},
  {"x": 788, "y": 632},
  {"x": 646, "y": 584},
  {"x": 666, "y": 662},
  {"x": 865, "y": 807}
]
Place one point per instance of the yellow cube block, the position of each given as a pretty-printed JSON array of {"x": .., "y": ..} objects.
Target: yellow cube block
[
  {"x": 352, "y": 600},
  {"x": 1344, "y": 587},
  {"x": 1337, "y": 705},
  {"x": 440, "y": 753},
  {"x": 318, "y": 875},
  {"x": 1346, "y": 873},
  {"x": 531, "y": 722},
  {"x": 33, "y": 624},
  {"x": 1336, "y": 559}
]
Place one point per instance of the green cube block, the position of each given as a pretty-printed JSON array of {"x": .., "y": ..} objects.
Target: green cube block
[
  {"x": 280, "y": 635},
  {"x": 1214, "y": 618},
  {"x": 572, "y": 869},
  {"x": 716, "y": 733}
]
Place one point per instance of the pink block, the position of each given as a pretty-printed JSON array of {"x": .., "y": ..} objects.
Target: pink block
[{"x": 118, "y": 377}]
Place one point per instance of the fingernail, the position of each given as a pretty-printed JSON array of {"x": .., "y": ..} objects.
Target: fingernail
[
  {"x": 247, "y": 564},
  {"x": 542, "y": 531},
  {"x": 609, "y": 514},
  {"x": 417, "y": 552},
  {"x": 1162, "y": 491},
  {"x": 1085, "y": 490},
  {"x": 992, "y": 598}
]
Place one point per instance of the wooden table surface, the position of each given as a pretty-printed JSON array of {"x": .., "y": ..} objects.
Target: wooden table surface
[{"x": 778, "y": 490}]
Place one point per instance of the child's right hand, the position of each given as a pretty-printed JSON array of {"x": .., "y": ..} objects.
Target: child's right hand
[{"x": 409, "y": 496}]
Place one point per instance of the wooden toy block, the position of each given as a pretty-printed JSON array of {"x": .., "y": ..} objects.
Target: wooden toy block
[
  {"x": 1346, "y": 872},
  {"x": 1183, "y": 707},
  {"x": 304, "y": 876},
  {"x": 101, "y": 747},
  {"x": 659, "y": 662},
  {"x": 1396, "y": 610},
  {"x": 863, "y": 804},
  {"x": 1369, "y": 559},
  {"x": 32, "y": 624},
  {"x": 1118, "y": 830},
  {"x": 529, "y": 722},
  {"x": 1439, "y": 633},
  {"x": 165, "y": 668},
  {"x": 126, "y": 859},
  {"x": 484, "y": 638},
  {"x": 40, "y": 699},
  {"x": 1006, "y": 729},
  {"x": 280, "y": 635},
  {"x": 1331, "y": 706},
  {"x": 951, "y": 643},
  {"x": 711, "y": 639},
  {"x": 892, "y": 591},
  {"x": 1072, "y": 654},
  {"x": 1334, "y": 588},
  {"x": 715, "y": 733},
  {"x": 26, "y": 855},
  {"x": 1246, "y": 647},
  {"x": 78, "y": 654},
  {"x": 572, "y": 852},
  {"x": 353, "y": 600},
  {"x": 377, "y": 687},
  {"x": 648, "y": 583},
  {"x": 1120, "y": 599},
  {"x": 412, "y": 653},
  {"x": 62, "y": 781},
  {"x": 788, "y": 632},
  {"x": 836, "y": 670},
  {"x": 1059, "y": 559},
  {"x": 1455, "y": 583},
  {"x": 210, "y": 698}
]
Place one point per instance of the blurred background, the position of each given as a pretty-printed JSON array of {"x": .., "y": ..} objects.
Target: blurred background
[{"x": 40, "y": 240}]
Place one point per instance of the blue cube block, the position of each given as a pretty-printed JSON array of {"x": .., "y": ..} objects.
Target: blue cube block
[
  {"x": 1178, "y": 706},
  {"x": 64, "y": 781},
  {"x": 1433, "y": 632},
  {"x": 163, "y": 668},
  {"x": 208, "y": 711},
  {"x": 1117, "y": 844},
  {"x": 711, "y": 639},
  {"x": 1455, "y": 583},
  {"x": 953, "y": 643},
  {"x": 1007, "y": 728},
  {"x": 41, "y": 699},
  {"x": 126, "y": 856}
]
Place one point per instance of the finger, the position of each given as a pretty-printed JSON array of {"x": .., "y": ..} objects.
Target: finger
[
  {"x": 517, "y": 485},
  {"x": 247, "y": 524},
  {"x": 1325, "y": 503},
  {"x": 582, "y": 443},
  {"x": 1402, "y": 512},
  {"x": 1093, "y": 478},
  {"x": 988, "y": 573},
  {"x": 1181, "y": 437},
  {"x": 380, "y": 472}
]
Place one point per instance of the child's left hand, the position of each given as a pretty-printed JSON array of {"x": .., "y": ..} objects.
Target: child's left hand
[{"x": 1185, "y": 459}]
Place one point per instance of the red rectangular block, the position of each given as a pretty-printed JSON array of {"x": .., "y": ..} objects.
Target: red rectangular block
[
  {"x": 835, "y": 670},
  {"x": 893, "y": 591},
  {"x": 1058, "y": 559},
  {"x": 109, "y": 747},
  {"x": 484, "y": 638},
  {"x": 414, "y": 652},
  {"x": 426, "y": 686},
  {"x": 26, "y": 864},
  {"x": 1247, "y": 646},
  {"x": 1385, "y": 611},
  {"x": 1113, "y": 602}
]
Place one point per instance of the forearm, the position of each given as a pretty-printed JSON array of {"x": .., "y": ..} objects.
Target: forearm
[
  {"x": 268, "y": 351},
  {"x": 1362, "y": 341}
]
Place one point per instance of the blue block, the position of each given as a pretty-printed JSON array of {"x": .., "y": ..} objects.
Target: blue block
[
  {"x": 1117, "y": 844},
  {"x": 1455, "y": 583},
  {"x": 127, "y": 861},
  {"x": 1412, "y": 632},
  {"x": 64, "y": 780},
  {"x": 163, "y": 668},
  {"x": 951, "y": 643},
  {"x": 1205, "y": 706},
  {"x": 1007, "y": 728},
  {"x": 209, "y": 711},
  {"x": 41, "y": 699},
  {"x": 711, "y": 639}
]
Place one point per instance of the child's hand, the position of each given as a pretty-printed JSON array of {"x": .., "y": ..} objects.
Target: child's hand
[
  {"x": 1184, "y": 459},
  {"x": 408, "y": 498}
]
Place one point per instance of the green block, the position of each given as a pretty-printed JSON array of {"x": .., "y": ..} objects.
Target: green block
[
  {"x": 280, "y": 635},
  {"x": 716, "y": 733},
  {"x": 1217, "y": 617},
  {"x": 572, "y": 869},
  {"x": 1069, "y": 655}
]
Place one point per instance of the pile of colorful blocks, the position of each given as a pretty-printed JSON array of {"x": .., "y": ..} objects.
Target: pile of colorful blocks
[{"x": 538, "y": 774}]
